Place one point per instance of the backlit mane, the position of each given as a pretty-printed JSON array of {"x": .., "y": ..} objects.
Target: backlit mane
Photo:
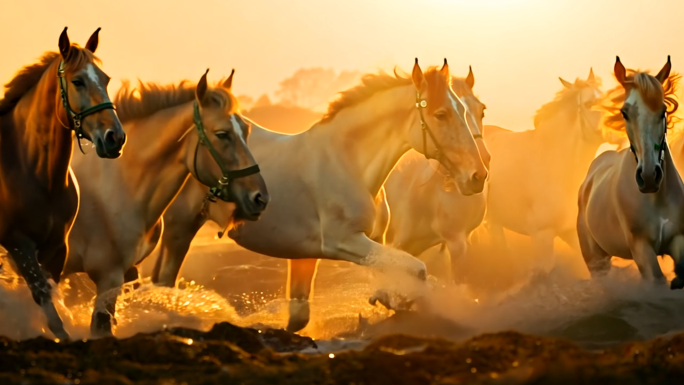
[
  {"x": 147, "y": 98},
  {"x": 374, "y": 83},
  {"x": 29, "y": 76},
  {"x": 653, "y": 93},
  {"x": 562, "y": 98}
]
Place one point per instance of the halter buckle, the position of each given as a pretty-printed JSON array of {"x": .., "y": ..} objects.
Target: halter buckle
[
  {"x": 421, "y": 104},
  {"x": 77, "y": 123}
]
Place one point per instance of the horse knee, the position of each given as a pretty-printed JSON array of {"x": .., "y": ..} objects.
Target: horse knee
[{"x": 299, "y": 315}]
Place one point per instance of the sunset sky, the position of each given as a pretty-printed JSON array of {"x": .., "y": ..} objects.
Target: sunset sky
[{"x": 517, "y": 48}]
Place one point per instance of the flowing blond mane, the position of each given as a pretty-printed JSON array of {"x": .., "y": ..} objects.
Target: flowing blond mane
[
  {"x": 653, "y": 93},
  {"x": 564, "y": 99},
  {"x": 148, "y": 98},
  {"x": 29, "y": 76},
  {"x": 374, "y": 83}
]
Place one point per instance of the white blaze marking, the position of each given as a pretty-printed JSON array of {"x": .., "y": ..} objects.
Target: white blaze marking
[
  {"x": 237, "y": 128},
  {"x": 90, "y": 71},
  {"x": 454, "y": 104}
]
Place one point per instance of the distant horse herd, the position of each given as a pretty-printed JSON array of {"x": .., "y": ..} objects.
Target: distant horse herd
[{"x": 397, "y": 165}]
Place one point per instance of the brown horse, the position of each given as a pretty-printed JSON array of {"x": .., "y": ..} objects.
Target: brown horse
[
  {"x": 409, "y": 221},
  {"x": 127, "y": 198},
  {"x": 631, "y": 204},
  {"x": 38, "y": 201},
  {"x": 323, "y": 181}
]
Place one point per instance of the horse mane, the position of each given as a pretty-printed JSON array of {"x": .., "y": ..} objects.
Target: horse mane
[
  {"x": 148, "y": 98},
  {"x": 566, "y": 95},
  {"x": 30, "y": 75},
  {"x": 374, "y": 83},
  {"x": 653, "y": 93}
]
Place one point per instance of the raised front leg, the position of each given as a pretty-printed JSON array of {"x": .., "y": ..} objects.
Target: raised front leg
[
  {"x": 646, "y": 260},
  {"x": 382, "y": 218},
  {"x": 395, "y": 264},
  {"x": 23, "y": 252},
  {"x": 301, "y": 273}
]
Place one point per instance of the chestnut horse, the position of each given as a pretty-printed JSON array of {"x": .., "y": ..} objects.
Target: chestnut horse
[
  {"x": 128, "y": 197},
  {"x": 423, "y": 207},
  {"x": 631, "y": 204},
  {"x": 66, "y": 91},
  {"x": 323, "y": 181}
]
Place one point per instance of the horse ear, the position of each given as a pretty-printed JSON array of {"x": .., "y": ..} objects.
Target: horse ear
[
  {"x": 445, "y": 69},
  {"x": 665, "y": 72},
  {"x": 91, "y": 45},
  {"x": 229, "y": 82},
  {"x": 565, "y": 83},
  {"x": 620, "y": 71},
  {"x": 64, "y": 44},
  {"x": 201, "y": 90},
  {"x": 418, "y": 77},
  {"x": 470, "y": 79},
  {"x": 591, "y": 78}
]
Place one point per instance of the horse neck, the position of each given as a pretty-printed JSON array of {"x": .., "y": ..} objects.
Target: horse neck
[
  {"x": 154, "y": 161},
  {"x": 371, "y": 137},
  {"x": 41, "y": 142},
  {"x": 672, "y": 181}
]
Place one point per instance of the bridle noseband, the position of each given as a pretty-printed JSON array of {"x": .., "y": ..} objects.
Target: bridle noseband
[
  {"x": 77, "y": 118},
  {"x": 227, "y": 175}
]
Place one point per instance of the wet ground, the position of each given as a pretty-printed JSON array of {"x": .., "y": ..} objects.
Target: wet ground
[{"x": 567, "y": 329}]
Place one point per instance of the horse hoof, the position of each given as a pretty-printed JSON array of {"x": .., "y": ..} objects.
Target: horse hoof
[
  {"x": 677, "y": 283},
  {"x": 299, "y": 315},
  {"x": 294, "y": 325}
]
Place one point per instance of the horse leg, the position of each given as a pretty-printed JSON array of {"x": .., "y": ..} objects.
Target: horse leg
[
  {"x": 108, "y": 284},
  {"x": 646, "y": 260},
  {"x": 571, "y": 239},
  {"x": 457, "y": 246},
  {"x": 359, "y": 249},
  {"x": 301, "y": 274},
  {"x": 542, "y": 243},
  {"x": 677, "y": 253},
  {"x": 23, "y": 252},
  {"x": 176, "y": 240},
  {"x": 596, "y": 259},
  {"x": 132, "y": 275}
]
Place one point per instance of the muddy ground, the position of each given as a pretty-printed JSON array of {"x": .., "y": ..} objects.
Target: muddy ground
[{"x": 229, "y": 354}]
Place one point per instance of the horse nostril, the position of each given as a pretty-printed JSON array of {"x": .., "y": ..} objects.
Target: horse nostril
[
  {"x": 659, "y": 173},
  {"x": 478, "y": 176},
  {"x": 260, "y": 201},
  {"x": 110, "y": 138},
  {"x": 639, "y": 177}
]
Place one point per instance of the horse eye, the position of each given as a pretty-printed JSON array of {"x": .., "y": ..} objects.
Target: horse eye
[
  {"x": 624, "y": 114},
  {"x": 222, "y": 135},
  {"x": 440, "y": 115},
  {"x": 77, "y": 83}
]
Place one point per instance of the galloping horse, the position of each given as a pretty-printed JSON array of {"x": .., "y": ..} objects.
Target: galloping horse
[
  {"x": 424, "y": 208},
  {"x": 323, "y": 181},
  {"x": 130, "y": 196},
  {"x": 535, "y": 174},
  {"x": 43, "y": 104},
  {"x": 631, "y": 204}
]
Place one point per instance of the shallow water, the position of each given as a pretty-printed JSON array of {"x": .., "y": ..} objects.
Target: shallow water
[{"x": 234, "y": 285}]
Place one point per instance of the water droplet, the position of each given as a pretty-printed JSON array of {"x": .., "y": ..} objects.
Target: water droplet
[
  {"x": 515, "y": 364},
  {"x": 468, "y": 360},
  {"x": 473, "y": 370},
  {"x": 331, "y": 355}
]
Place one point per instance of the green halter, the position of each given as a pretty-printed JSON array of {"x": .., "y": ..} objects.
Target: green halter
[
  {"x": 77, "y": 118},
  {"x": 228, "y": 175}
]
